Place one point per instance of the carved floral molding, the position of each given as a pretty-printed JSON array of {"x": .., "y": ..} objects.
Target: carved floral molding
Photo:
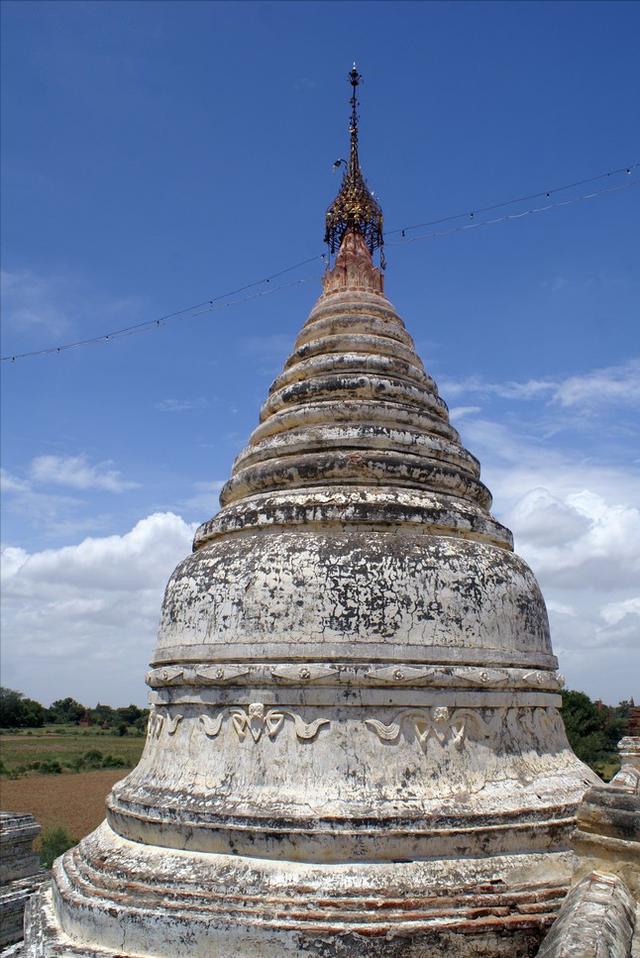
[
  {"x": 448, "y": 727},
  {"x": 256, "y": 720},
  {"x": 451, "y": 727},
  {"x": 442, "y": 724}
]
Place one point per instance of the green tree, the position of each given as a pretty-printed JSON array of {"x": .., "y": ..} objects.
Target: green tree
[
  {"x": 129, "y": 714},
  {"x": 65, "y": 711},
  {"x": 17, "y": 711},
  {"x": 104, "y": 715},
  {"x": 55, "y": 842},
  {"x": 141, "y": 723},
  {"x": 593, "y": 729}
]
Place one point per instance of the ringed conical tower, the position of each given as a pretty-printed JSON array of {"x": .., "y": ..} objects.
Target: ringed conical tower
[{"x": 354, "y": 745}]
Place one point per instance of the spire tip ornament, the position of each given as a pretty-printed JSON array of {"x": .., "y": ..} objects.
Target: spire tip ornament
[{"x": 354, "y": 208}]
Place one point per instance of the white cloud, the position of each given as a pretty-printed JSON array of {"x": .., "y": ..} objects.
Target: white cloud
[
  {"x": 45, "y": 511},
  {"x": 533, "y": 388},
  {"x": 81, "y": 620},
  {"x": 576, "y": 521},
  {"x": 12, "y": 559},
  {"x": 560, "y": 608},
  {"x": 623, "y": 632},
  {"x": 616, "y": 612},
  {"x": 181, "y": 405},
  {"x": 456, "y": 413},
  {"x": 112, "y": 562},
  {"x": 60, "y": 514},
  {"x": 579, "y": 541},
  {"x": 546, "y": 521},
  {"x": 619, "y": 385},
  {"x": 78, "y": 473},
  {"x": 10, "y": 483},
  {"x": 615, "y": 384},
  {"x": 582, "y": 634},
  {"x": 30, "y": 301}
]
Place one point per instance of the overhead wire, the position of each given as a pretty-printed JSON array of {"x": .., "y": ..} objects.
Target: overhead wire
[
  {"x": 518, "y": 199},
  {"x": 210, "y": 306},
  {"x": 513, "y": 216},
  {"x": 215, "y": 303}
]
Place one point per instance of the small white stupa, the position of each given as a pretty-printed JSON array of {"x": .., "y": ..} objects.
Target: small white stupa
[{"x": 354, "y": 747}]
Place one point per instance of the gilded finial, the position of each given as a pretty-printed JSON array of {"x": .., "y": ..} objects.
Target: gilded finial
[{"x": 354, "y": 208}]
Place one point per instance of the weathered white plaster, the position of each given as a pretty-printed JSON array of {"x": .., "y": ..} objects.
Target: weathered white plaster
[
  {"x": 20, "y": 874},
  {"x": 355, "y": 746},
  {"x": 599, "y": 917}
]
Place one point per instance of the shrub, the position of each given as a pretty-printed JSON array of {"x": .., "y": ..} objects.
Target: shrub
[
  {"x": 92, "y": 759},
  {"x": 113, "y": 761},
  {"x": 75, "y": 764},
  {"x": 55, "y": 842},
  {"x": 51, "y": 767}
]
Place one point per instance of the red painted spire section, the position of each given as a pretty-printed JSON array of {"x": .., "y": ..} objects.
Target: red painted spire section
[{"x": 353, "y": 269}]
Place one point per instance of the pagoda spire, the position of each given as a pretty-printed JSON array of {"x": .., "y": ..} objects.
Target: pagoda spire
[
  {"x": 354, "y": 165},
  {"x": 354, "y": 209}
]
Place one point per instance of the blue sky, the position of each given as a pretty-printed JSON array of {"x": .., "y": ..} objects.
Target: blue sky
[{"x": 158, "y": 154}]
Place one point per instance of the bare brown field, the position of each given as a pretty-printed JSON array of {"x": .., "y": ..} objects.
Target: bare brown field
[{"x": 74, "y": 801}]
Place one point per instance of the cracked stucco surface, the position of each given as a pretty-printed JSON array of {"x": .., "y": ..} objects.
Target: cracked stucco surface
[{"x": 355, "y": 746}]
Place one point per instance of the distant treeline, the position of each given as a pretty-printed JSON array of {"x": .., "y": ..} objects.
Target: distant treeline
[{"x": 18, "y": 711}]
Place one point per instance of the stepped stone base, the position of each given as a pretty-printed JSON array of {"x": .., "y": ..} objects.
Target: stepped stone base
[
  {"x": 599, "y": 917},
  {"x": 20, "y": 873},
  {"x": 135, "y": 900}
]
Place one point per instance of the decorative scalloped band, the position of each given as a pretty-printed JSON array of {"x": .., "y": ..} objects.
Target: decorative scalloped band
[
  {"x": 339, "y": 674},
  {"x": 448, "y": 727}
]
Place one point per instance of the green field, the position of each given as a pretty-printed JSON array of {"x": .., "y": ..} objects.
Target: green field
[{"x": 66, "y": 745}]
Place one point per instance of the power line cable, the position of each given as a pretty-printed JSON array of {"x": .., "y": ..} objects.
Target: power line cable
[
  {"x": 518, "y": 199},
  {"x": 210, "y": 305},
  {"x": 513, "y": 216}
]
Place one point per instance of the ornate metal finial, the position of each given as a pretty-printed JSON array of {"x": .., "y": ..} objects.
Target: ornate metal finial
[
  {"x": 354, "y": 79},
  {"x": 354, "y": 208}
]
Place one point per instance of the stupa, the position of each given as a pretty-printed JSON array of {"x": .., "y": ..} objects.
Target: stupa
[{"x": 354, "y": 745}]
